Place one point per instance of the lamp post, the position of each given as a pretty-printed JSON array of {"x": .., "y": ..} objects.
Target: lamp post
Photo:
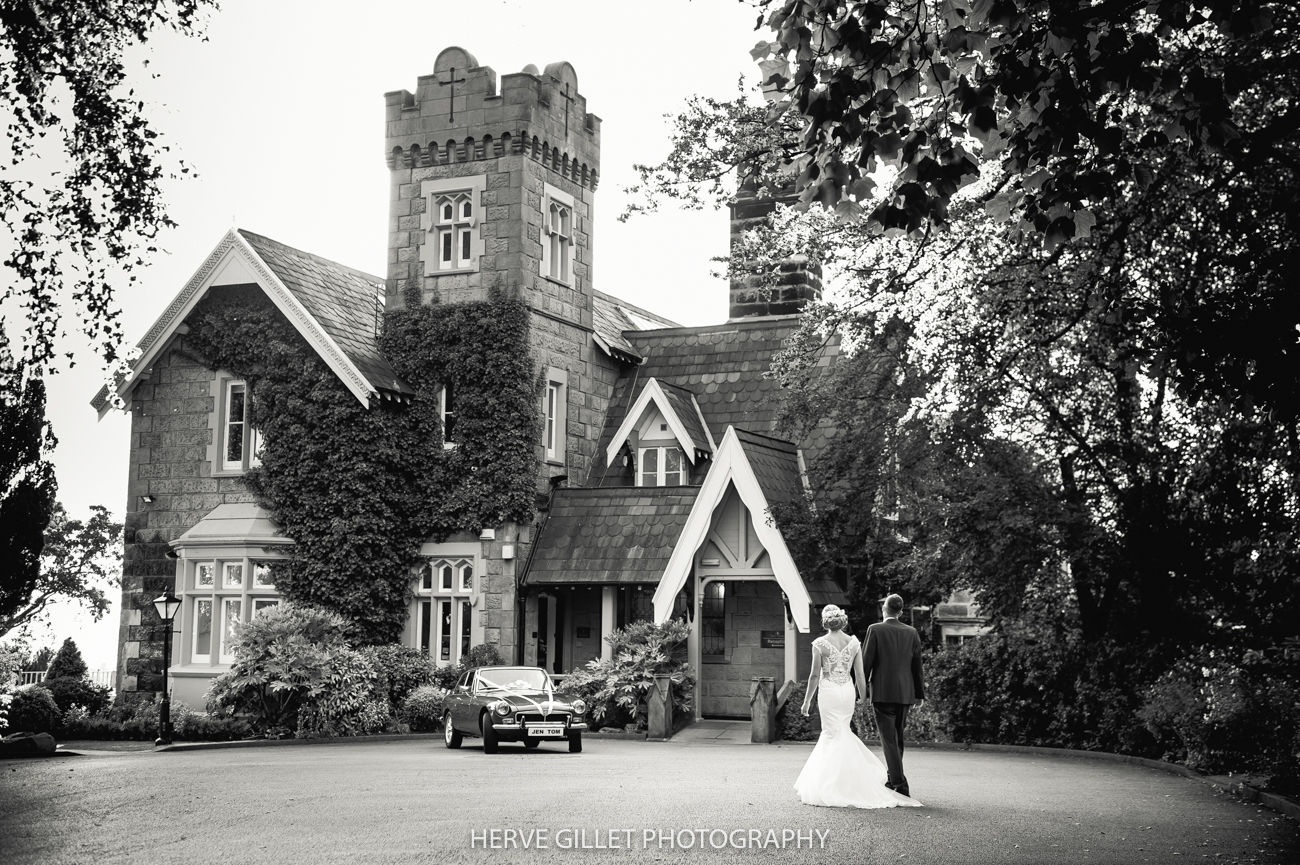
[{"x": 166, "y": 606}]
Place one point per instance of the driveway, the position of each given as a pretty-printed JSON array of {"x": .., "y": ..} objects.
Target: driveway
[{"x": 415, "y": 801}]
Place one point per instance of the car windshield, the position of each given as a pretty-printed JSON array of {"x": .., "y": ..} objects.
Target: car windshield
[{"x": 513, "y": 679}]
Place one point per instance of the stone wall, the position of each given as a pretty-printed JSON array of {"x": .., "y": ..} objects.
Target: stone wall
[{"x": 172, "y": 428}]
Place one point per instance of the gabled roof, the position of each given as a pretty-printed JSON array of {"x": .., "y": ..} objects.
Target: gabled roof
[
  {"x": 732, "y": 466},
  {"x": 679, "y": 409},
  {"x": 611, "y": 316},
  {"x": 776, "y": 466},
  {"x": 336, "y": 309},
  {"x": 603, "y": 536}
]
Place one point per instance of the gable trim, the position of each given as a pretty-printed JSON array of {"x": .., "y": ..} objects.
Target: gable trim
[
  {"x": 652, "y": 392},
  {"x": 731, "y": 466},
  {"x": 160, "y": 334}
]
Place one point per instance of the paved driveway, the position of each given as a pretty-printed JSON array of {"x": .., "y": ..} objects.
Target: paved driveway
[{"x": 414, "y": 802}]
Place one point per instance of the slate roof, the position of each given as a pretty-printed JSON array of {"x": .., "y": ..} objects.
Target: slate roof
[
  {"x": 684, "y": 405},
  {"x": 611, "y": 316},
  {"x": 610, "y": 535},
  {"x": 775, "y": 463},
  {"x": 344, "y": 301}
]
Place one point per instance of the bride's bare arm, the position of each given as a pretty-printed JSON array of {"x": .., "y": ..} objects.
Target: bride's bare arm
[
  {"x": 814, "y": 678},
  {"x": 859, "y": 677}
]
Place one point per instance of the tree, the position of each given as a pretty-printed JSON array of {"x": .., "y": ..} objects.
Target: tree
[
  {"x": 79, "y": 559},
  {"x": 62, "y": 76},
  {"x": 27, "y": 483},
  {"x": 67, "y": 663},
  {"x": 1075, "y": 98}
]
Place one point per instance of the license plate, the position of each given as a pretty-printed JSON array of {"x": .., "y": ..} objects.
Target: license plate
[{"x": 546, "y": 729}]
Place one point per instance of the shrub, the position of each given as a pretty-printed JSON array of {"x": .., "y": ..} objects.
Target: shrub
[
  {"x": 401, "y": 668},
  {"x": 482, "y": 655},
  {"x": 349, "y": 703},
  {"x": 618, "y": 689},
  {"x": 67, "y": 663},
  {"x": 69, "y": 692},
  {"x": 285, "y": 657},
  {"x": 790, "y": 721},
  {"x": 423, "y": 707},
  {"x": 33, "y": 710},
  {"x": 5, "y": 700}
]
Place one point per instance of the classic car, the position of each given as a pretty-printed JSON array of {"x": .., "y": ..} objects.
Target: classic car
[{"x": 511, "y": 704}]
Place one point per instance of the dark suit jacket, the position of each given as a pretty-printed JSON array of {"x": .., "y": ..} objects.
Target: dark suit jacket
[{"x": 891, "y": 660}]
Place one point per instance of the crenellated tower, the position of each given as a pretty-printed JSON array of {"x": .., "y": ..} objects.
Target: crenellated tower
[{"x": 492, "y": 188}]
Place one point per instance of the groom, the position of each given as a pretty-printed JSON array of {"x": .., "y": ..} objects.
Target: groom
[{"x": 892, "y": 662}]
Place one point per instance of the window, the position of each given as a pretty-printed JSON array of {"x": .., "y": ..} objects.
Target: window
[
  {"x": 240, "y": 444},
  {"x": 550, "y": 435},
  {"x": 713, "y": 620},
  {"x": 447, "y": 410},
  {"x": 451, "y": 219},
  {"x": 219, "y": 595},
  {"x": 444, "y": 616},
  {"x": 558, "y": 225},
  {"x": 661, "y": 467},
  {"x": 555, "y": 415},
  {"x": 454, "y": 225}
]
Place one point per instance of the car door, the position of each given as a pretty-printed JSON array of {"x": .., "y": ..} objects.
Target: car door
[{"x": 462, "y": 713}]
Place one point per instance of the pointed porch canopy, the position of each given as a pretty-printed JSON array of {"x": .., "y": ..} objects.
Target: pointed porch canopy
[
  {"x": 765, "y": 471},
  {"x": 334, "y": 307}
]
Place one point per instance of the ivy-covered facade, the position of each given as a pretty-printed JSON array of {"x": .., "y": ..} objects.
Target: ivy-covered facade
[{"x": 476, "y": 447}]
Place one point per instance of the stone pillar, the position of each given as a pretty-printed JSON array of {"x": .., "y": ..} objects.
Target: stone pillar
[
  {"x": 791, "y": 651},
  {"x": 608, "y": 616},
  {"x": 762, "y": 707},
  {"x": 659, "y": 710}
]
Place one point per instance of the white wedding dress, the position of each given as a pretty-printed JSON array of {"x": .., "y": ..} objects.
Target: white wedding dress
[{"x": 841, "y": 772}]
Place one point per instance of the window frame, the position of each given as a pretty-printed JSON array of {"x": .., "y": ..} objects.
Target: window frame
[
  {"x": 661, "y": 470},
  {"x": 251, "y": 443},
  {"x": 555, "y": 450},
  {"x": 444, "y": 589},
  {"x": 452, "y": 244},
  {"x": 447, "y": 408},
  {"x": 559, "y": 236},
  {"x": 205, "y": 580}
]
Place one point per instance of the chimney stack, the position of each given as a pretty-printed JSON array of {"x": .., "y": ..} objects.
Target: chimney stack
[{"x": 798, "y": 280}]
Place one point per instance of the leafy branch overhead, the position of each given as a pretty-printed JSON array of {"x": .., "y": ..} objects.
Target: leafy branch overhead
[
  {"x": 1078, "y": 100},
  {"x": 66, "y": 103}
]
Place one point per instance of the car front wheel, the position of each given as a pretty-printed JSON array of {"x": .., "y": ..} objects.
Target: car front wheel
[
  {"x": 449, "y": 733},
  {"x": 575, "y": 741},
  {"x": 490, "y": 743}
]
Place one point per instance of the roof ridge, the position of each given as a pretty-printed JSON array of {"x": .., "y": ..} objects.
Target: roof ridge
[
  {"x": 725, "y": 327},
  {"x": 771, "y": 438},
  {"x": 246, "y": 234}
]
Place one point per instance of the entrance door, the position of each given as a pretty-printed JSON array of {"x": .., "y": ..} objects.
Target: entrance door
[{"x": 742, "y": 632}]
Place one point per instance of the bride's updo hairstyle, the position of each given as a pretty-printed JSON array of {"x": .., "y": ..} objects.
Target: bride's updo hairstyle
[{"x": 833, "y": 618}]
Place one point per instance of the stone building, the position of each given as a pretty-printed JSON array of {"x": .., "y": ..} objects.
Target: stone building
[{"x": 657, "y": 462}]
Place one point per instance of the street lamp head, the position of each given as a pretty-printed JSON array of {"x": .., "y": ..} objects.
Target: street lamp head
[{"x": 167, "y": 606}]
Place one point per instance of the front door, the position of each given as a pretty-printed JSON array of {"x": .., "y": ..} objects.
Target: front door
[{"x": 742, "y": 633}]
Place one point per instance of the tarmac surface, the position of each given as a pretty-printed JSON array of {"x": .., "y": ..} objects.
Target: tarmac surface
[{"x": 705, "y": 797}]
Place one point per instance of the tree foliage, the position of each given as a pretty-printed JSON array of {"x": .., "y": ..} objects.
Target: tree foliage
[
  {"x": 1077, "y": 100},
  {"x": 95, "y": 213}
]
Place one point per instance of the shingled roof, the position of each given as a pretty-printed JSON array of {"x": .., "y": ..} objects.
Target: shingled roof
[
  {"x": 776, "y": 465},
  {"x": 610, "y": 316},
  {"x": 344, "y": 301},
  {"x": 605, "y": 535}
]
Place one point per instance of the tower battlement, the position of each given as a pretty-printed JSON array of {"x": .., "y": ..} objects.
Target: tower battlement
[{"x": 458, "y": 114}]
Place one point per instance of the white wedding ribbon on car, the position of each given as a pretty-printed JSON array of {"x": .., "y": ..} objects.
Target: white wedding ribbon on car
[{"x": 550, "y": 699}]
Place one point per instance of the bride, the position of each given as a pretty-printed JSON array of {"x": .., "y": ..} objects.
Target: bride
[{"x": 841, "y": 772}]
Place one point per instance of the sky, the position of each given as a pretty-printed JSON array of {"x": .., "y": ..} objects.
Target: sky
[{"x": 281, "y": 114}]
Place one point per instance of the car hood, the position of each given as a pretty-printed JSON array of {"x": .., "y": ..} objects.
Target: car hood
[{"x": 527, "y": 701}]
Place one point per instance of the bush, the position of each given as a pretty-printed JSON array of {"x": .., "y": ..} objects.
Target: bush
[
  {"x": 401, "y": 669},
  {"x": 5, "y": 700},
  {"x": 285, "y": 658},
  {"x": 482, "y": 655},
  {"x": 790, "y": 721},
  {"x": 67, "y": 663},
  {"x": 33, "y": 710},
  {"x": 69, "y": 692},
  {"x": 350, "y": 702},
  {"x": 422, "y": 709},
  {"x": 618, "y": 689}
]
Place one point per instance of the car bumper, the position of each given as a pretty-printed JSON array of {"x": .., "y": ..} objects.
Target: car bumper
[{"x": 516, "y": 728}]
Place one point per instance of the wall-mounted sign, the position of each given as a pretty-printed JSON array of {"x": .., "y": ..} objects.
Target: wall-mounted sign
[
  {"x": 584, "y": 633},
  {"x": 772, "y": 639}
]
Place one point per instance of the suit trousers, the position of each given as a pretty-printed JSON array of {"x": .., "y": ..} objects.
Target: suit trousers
[{"x": 890, "y": 718}]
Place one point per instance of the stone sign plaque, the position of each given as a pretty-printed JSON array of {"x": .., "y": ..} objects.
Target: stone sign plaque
[{"x": 772, "y": 639}]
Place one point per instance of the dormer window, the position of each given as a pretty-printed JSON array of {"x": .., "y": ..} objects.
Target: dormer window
[{"x": 661, "y": 467}]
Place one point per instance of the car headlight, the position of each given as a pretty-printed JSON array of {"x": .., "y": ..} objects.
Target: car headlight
[
  {"x": 503, "y": 709},
  {"x": 579, "y": 707}
]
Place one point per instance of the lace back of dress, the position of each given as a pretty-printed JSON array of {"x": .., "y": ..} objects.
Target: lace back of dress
[{"x": 836, "y": 662}]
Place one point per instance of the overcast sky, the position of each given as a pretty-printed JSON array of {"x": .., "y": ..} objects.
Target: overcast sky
[{"x": 281, "y": 113}]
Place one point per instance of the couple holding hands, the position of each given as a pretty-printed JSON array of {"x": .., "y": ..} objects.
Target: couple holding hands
[{"x": 841, "y": 771}]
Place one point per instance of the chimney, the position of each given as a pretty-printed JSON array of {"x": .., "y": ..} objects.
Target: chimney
[{"x": 798, "y": 281}]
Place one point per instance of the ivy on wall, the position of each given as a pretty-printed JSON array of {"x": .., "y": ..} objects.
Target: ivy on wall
[{"x": 360, "y": 489}]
